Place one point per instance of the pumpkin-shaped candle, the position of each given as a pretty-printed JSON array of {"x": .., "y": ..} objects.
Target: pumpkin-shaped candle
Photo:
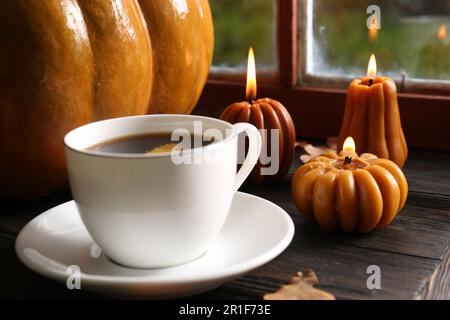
[
  {"x": 349, "y": 192},
  {"x": 275, "y": 125},
  {"x": 372, "y": 117}
]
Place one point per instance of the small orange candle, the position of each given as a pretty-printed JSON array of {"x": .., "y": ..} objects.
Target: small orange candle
[
  {"x": 349, "y": 192},
  {"x": 269, "y": 116},
  {"x": 372, "y": 117}
]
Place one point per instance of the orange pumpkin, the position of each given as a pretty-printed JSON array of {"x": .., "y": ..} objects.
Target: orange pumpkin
[
  {"x": 349, "y": 192},
  {"x": 266, "y": 114},
  {"x": 64, "y": 63}
]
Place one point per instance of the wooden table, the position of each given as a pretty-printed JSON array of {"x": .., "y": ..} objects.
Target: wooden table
[{"x": 413, "y": 252}]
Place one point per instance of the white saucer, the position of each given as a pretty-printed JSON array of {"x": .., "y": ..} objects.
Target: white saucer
[{"x": 256, "y": 232}]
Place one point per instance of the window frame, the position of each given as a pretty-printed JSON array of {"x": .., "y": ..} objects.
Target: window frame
[
  {"x": 425, "y": 116},
  {"x": 404, "y": 85}
]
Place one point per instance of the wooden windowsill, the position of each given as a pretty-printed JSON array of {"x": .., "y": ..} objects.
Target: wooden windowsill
[{"x": 317, "y": 112}]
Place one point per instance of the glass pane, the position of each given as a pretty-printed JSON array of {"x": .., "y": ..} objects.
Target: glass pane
[
  {"x": 239, "y": 25},
  {"x": 408, "y": 44}
]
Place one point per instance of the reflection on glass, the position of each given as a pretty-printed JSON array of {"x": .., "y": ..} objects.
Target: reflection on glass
[
  {"x": 434, "y": 60},
  {"x": 412, "y": 39},
  {"x": 242, "y": 24}
]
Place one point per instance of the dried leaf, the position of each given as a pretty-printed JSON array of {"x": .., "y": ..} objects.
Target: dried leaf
[
  {"x": 300, "y": 144},
  {"x": 314, "y": 151},
  {"x": 300, "y": 287},
  {"x": 332, "y": 143},
  {"x": 305, "y": 158}
]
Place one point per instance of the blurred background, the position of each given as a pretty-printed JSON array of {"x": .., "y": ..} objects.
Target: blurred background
[
  {"x": 413, "y": 40},
  {"x": 239, "y": 25}
]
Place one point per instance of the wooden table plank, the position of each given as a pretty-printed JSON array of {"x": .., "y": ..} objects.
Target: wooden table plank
[
  {"x": 431, "y": 226},
  {"x": 342, "y": 271},
  {"x": 413, "y": 252},
  {"x": 438, "y": 287},
  {"x": 429, "y": 172}
]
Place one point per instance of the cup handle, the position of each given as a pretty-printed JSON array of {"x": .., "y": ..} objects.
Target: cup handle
[{"x": 254, "y": 150}]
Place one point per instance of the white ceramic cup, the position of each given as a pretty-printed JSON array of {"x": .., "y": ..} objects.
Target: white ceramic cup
[{"x": 144, "y": 210}]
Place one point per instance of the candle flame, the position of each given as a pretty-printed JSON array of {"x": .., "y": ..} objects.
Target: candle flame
[
  {"x": 373, "y": 31},
  {"x": 251, "y": 76},
  {"x": 372, "y": 67},
  {"x": 349, "y": 144},
  {"x": 442, "y": 33},
  {"x": 373, "y": 34}
]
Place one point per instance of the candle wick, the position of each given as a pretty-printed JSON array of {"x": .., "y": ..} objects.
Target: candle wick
[
  {"x": 348, "y": 160},
  {"x": 370, "y": 82}
]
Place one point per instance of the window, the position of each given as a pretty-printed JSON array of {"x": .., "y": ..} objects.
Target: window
[
  {"x": 239, "y": 25},
  {"x": 308, "y": 50},
  {"x": 412, "y": 45}
]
